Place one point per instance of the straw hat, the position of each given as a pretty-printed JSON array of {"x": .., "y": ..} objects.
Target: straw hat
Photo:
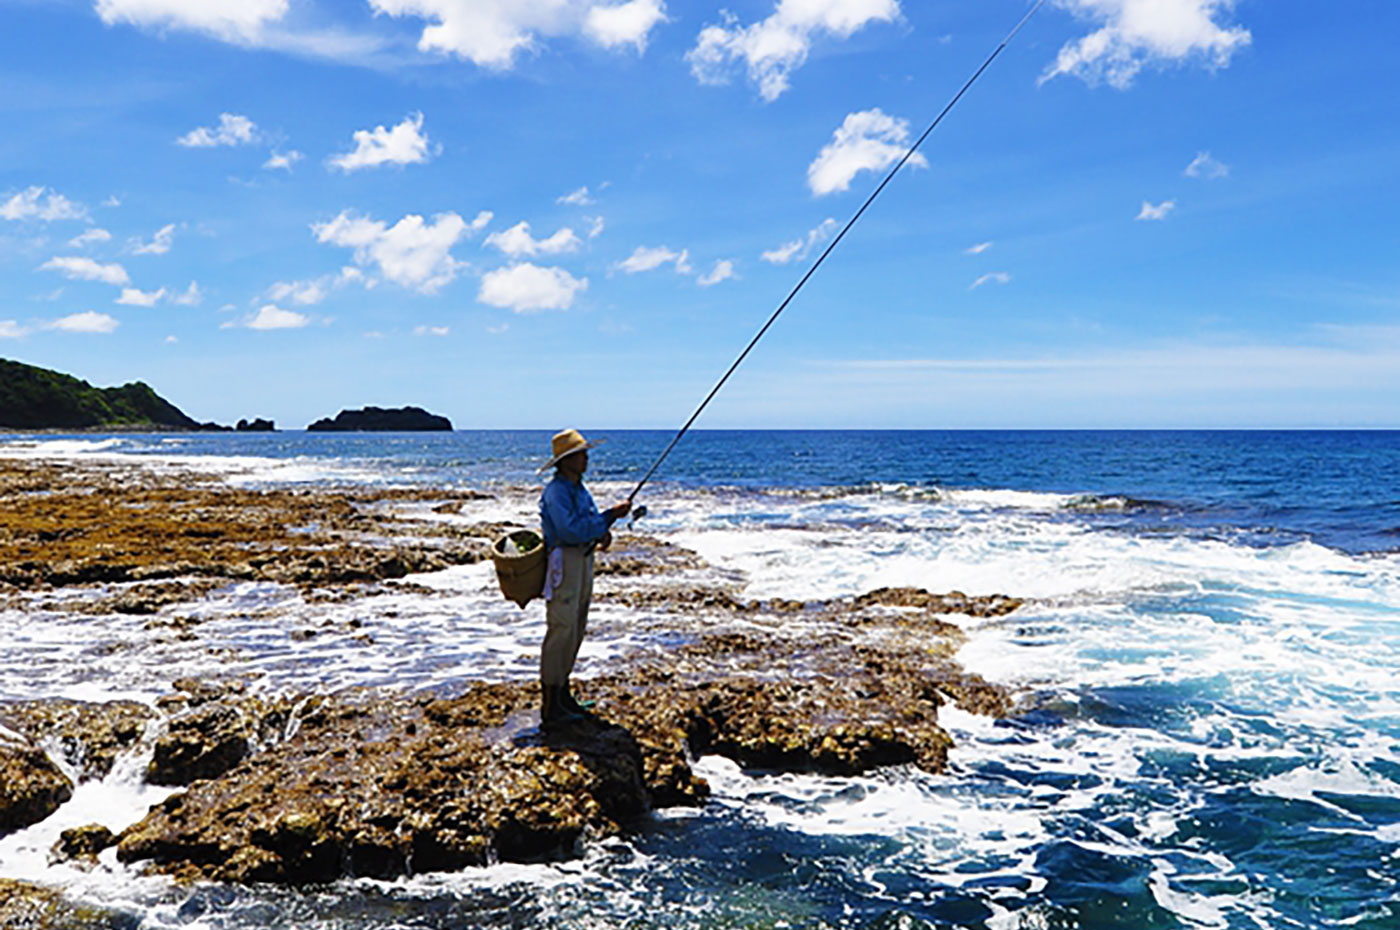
[{"x": 565, "y": 444}]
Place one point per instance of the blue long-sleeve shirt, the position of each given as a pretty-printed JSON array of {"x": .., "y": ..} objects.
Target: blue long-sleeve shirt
[{"x": 569, "y": 516}]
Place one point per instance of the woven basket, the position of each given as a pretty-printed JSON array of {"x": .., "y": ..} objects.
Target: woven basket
[{"x": 520, "y": 574}]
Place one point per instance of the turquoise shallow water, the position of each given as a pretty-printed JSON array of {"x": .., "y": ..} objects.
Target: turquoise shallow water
[{"x": 1209, "y": 733}]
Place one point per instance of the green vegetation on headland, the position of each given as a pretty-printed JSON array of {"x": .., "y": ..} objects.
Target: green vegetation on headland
[
  {"x": 33, "y": 398},
  {"x": 37, "y": 398}
]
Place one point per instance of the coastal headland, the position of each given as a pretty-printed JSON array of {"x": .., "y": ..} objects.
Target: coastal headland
[{"x": 271, "y": 784}]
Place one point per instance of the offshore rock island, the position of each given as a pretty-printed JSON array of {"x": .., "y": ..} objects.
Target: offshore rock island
[
  {"x": 379, "y": 419},
  {"x": 299, "y": 786}
]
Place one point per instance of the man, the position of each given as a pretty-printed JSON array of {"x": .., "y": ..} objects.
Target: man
[{"x": 573, "y": 529}]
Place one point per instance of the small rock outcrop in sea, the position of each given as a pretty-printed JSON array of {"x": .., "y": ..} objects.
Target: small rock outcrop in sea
[
  {"x": 255, "y": 426},
  {"x": 378, "y": 419},
  {"x": 81, "y": 844},
  {"x": 31, "y": 786}
]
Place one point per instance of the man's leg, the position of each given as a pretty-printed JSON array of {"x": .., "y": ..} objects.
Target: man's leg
[
  {"x": 561, "y": 636},
  {"x": 585, "y": 597}
]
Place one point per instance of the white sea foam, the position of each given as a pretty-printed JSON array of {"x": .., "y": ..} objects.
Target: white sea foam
[
  {"x": 58, "y": 448},
  {"x": 1153, "y": 661}
]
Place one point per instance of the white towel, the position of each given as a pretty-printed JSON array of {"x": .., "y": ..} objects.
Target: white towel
[{"x": 554, "y": 572}]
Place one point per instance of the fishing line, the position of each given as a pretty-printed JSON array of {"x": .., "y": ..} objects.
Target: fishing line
[{"x": 827, "y": 251}]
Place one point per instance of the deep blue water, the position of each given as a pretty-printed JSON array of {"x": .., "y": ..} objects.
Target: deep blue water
[{"x": 1338, "y": 488}]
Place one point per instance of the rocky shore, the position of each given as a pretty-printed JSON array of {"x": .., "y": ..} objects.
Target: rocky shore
[{"x": 301, "y": 788}]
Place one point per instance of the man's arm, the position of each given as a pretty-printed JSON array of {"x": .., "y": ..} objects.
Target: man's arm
[{"x": 574, "y": 524}]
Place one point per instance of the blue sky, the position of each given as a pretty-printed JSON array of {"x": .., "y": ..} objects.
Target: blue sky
[{"x": 537, "y": 213}]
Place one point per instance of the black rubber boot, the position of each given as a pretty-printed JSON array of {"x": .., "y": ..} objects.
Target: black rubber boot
[
  {"x": 553, "y": 708},
  {"x": 584, "y": 708}
]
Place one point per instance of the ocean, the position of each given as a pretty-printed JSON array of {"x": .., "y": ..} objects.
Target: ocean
[{"x": 1207, "y": 730}]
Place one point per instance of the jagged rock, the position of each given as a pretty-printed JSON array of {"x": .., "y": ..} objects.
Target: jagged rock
[
  {"x": 81, "y": 843},
  {"x": 31, "y": 786},
  {"x": 204, "y": 742},
  {"x": 379, "y": 419},
  {"x": 148, "y": 598},
  {"x": 369, "y": 788},
  {"x": 99, "y": 528},
  {"x": 90, "y": 736},
  {"x": 954, "y": 602},
  {"x": 258, "y": 425},
  {"x": 24, "y": 906}
]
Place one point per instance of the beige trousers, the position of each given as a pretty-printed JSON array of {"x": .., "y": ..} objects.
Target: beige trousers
[{"x": 566, "y": 617}]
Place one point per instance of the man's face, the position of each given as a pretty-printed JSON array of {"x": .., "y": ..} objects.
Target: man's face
[{"x": 575, "y": 464}]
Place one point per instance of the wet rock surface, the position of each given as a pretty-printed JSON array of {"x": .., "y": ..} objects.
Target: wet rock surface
[
  {"x": 300, "y": 788},
  {"x": 380, "y": 787},
  {"x": 204, "y": 742},
  {"x": 100, "y": 527},
  {"x": 89, "y": 735},
  {"x": 31, "y": 786},
  {"x": 25, "y": 906},
  {"x": 82, "y": 844}
]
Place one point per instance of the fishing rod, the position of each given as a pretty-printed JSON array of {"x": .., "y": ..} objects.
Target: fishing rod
[{"x": 641, "y": 511}]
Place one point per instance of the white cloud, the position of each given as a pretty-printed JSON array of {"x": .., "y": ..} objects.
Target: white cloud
[
  {"x": 192, "y": 296},
  {"x": 171, "y": 340},
  {"x": 1159, "y": 212},
  {"x": 491, "y": 33},
  {"x": 525, "y": 288},
  {"x": 40, "y": 203},
  {"x": 112, "y": 201},
  {"x": 798, "y": 249},
  {"x": 240, "y": 20},
  {"x": 517, "y": 241},
  {"x": 89, "y": 321},
  {"x": 977, "y": 249},
  {"x": 596, "y": 229},
  {"x": 723, "y": 271},
  {"x": 133, "y": 297},
  {"x": 282, "y": 160},
  {"x": 1135, "y": 33},
  {"x": 866, "y": 141},
  {"x": 1206, "y": 167},
  {"x": 431, "y": 330},
  {"x": 315, "y": 290},
  {"x": 405, "y": 144},
  {"x": 304, "y": 293},
  {"x": 271, "y": 316},
  {"x": 411, "y": 253},
  {"x": 10, "y": 329},
  {"x": 773, "y": 48},
  {"x": 579, "y": 198},
  {"x": 84, "y": 239},
  {"x": 159, "y": 244},
  {"x": 994, "y": 277},
  {"x": 232, "y": 130},
  {"x": 624, "y": 23},
  {"x": 86, "y": 269},
  {"x": 645, "y": 258},
  {"x": 480, "y": 221},
  {"x": 498, "y": 329}
]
